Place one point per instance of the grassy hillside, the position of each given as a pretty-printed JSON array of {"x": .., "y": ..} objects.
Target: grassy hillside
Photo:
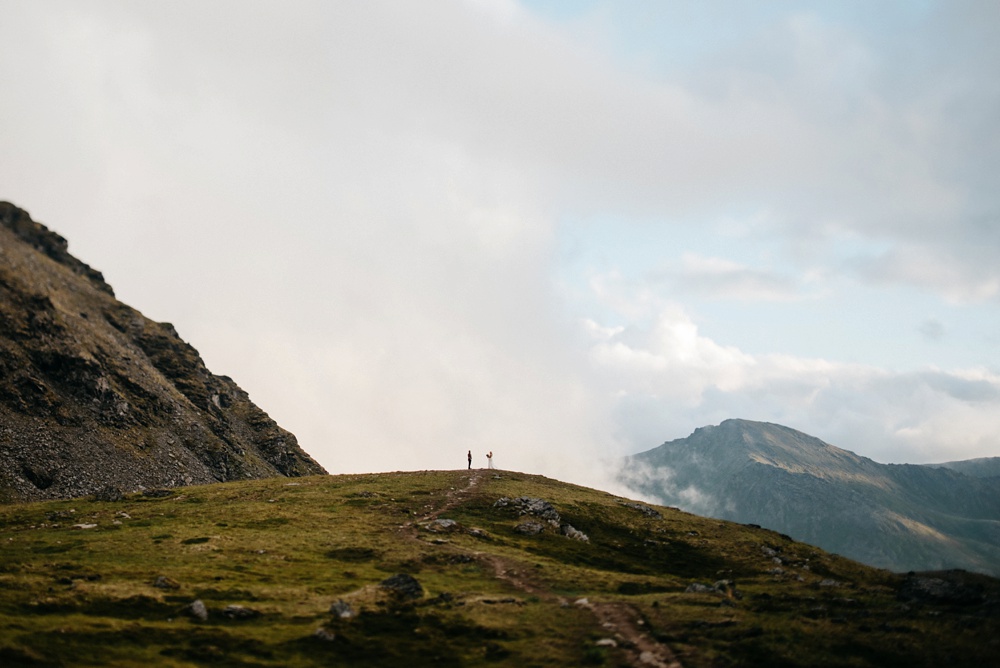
[{"x": 86, "y": 582}]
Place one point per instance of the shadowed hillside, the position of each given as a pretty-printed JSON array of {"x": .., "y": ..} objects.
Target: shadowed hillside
[
  {"x": 94, "y": 397},
  {"x": 454, "y": 568},
  {"x": 984, "y": 467},
  {"x": 901, "y": 517}
]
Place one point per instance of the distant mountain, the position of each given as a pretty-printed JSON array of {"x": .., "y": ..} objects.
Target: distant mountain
[
  {"x": 95, "y": 397},
  {"x": 984, "y": 467},
  {"x": 900, "y": 517}
]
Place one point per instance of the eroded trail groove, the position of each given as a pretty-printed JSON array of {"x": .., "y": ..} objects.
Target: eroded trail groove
[
  {"x": 621, "y": 622},
  {"x": 628, "y": 629}
]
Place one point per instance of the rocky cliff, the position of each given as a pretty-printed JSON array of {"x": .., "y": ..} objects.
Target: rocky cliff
[
  {"x": 901, "y": 517},
  {"x": 97, "y": 398}
]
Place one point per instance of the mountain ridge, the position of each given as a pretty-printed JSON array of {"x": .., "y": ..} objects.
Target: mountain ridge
[
  {"x": 97, "y": 398},
  {"x": 897, "y": 516}
]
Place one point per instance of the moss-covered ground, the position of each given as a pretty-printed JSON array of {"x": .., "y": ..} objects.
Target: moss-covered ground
[{"x": 99, "y": 583}]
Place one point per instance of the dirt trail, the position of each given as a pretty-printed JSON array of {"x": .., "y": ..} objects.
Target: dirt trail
[
  {"x": 622, "y": 621},
  {"x": 457, "y": 496},
  {"x": 630, "y": 633}
]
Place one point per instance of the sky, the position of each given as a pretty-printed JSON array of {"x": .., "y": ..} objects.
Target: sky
[{"x": 561, "y": 231}]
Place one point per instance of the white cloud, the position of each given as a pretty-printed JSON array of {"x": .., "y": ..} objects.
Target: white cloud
[
  {"x": 718, "y": 278},
  {"x": 353, "y": 209},
  {"x": 960, "y": 279},
  {"x": 671, "y": 379}
]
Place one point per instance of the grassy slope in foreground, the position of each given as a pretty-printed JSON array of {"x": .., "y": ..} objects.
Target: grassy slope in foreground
[{"x": 289, "y": 549}]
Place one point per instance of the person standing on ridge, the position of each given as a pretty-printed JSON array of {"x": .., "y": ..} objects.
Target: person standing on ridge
[
  {"x": 489, "y": 460},
  {"x": 470, "y": 460}
]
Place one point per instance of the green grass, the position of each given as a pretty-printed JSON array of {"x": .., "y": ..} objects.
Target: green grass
[{"x": 288, "y": 549}]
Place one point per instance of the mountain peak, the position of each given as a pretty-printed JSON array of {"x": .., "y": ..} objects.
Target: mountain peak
[
  {"x": 738, "y": 442},
  {"x": 95, "y": 395},
  {"x": 903, "y": 517},
  {"x": 44, "y": 240}
]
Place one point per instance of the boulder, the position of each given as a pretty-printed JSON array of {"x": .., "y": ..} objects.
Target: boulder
[
  {"x": 239, "y": 612},
  {"x": 403, "y": 586},
  {"x": 529, "y": 528},
  {"x": 197, "y": 610},
  {"x": 341, "y": 609},
  {"x": 570, "y": 532}
]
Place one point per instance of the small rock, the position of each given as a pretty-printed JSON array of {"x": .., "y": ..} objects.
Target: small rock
[
  {"x": 442, "y": 525},
  {"x": 197, "y": 610},
  {"x": 582, "y": 602},
  {"x": 829, "y": 583},
  {"x": 951, "y": 588},
  {"x": 163, "y": 582},
  {"x": 403, "y": 586},
  {"x": 699, "y": 588},
  {"x": 727, "y": 588},
  {"x": 84, "y": 526},
  {"x": 529, "y": 528},
  {"x": 341, "y": 609},
  {"x": 324, "y": 634},
  {"x": 606, "y": 642},
  {"x": 240, "y": 612},
  {"x": 479, "y": 533},
  {"x": 644, "y": 509},
  {"x": 575, "y": 534},
  {"x": 109, "y": 494},
  {"x": 647, "y": 658}
]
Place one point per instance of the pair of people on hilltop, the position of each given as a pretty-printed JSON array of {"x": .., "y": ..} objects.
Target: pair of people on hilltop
[{"x": 489, "y": 459}]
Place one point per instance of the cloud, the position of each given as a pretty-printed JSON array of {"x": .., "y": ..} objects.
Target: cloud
[
  {"x": 718, "y": 278},
  {"x": 668, "y": 378},
  {"x": 932, "y": 329},
  {"x": 960, "y": 279},
  {"x": 355, "y": 211}
]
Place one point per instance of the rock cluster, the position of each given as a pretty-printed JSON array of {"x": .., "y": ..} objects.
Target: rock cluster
[
  {"x": 648, "y": 511},
  {"x": 543, "y": 510},
  {"x": 403, "y": 586}
]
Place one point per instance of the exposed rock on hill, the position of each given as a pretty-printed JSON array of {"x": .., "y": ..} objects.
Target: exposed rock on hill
[
  {"x": 901, "y": 517},
  {"x": 94, "y": 396}
]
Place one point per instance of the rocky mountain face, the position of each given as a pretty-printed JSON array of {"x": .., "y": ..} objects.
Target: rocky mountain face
[
  {"x": 97, "y": 398},
  {"x": 900, "y": 517}
]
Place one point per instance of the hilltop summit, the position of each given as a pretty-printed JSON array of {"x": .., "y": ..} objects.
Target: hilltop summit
[{"x": 95, "y": 397}]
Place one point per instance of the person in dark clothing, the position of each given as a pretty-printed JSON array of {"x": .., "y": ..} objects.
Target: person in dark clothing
[{"x": 470, "y": 459}]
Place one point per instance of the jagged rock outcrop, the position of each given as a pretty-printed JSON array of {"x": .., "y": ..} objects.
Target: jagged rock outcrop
[
  {"x": 902, "y": 517},
  {"x": 95, "y": 396}
]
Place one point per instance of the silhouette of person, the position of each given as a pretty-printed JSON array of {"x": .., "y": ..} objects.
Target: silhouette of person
[
  {"x": 489, "y": 460},
  {"x": 470, "y": 459}
]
